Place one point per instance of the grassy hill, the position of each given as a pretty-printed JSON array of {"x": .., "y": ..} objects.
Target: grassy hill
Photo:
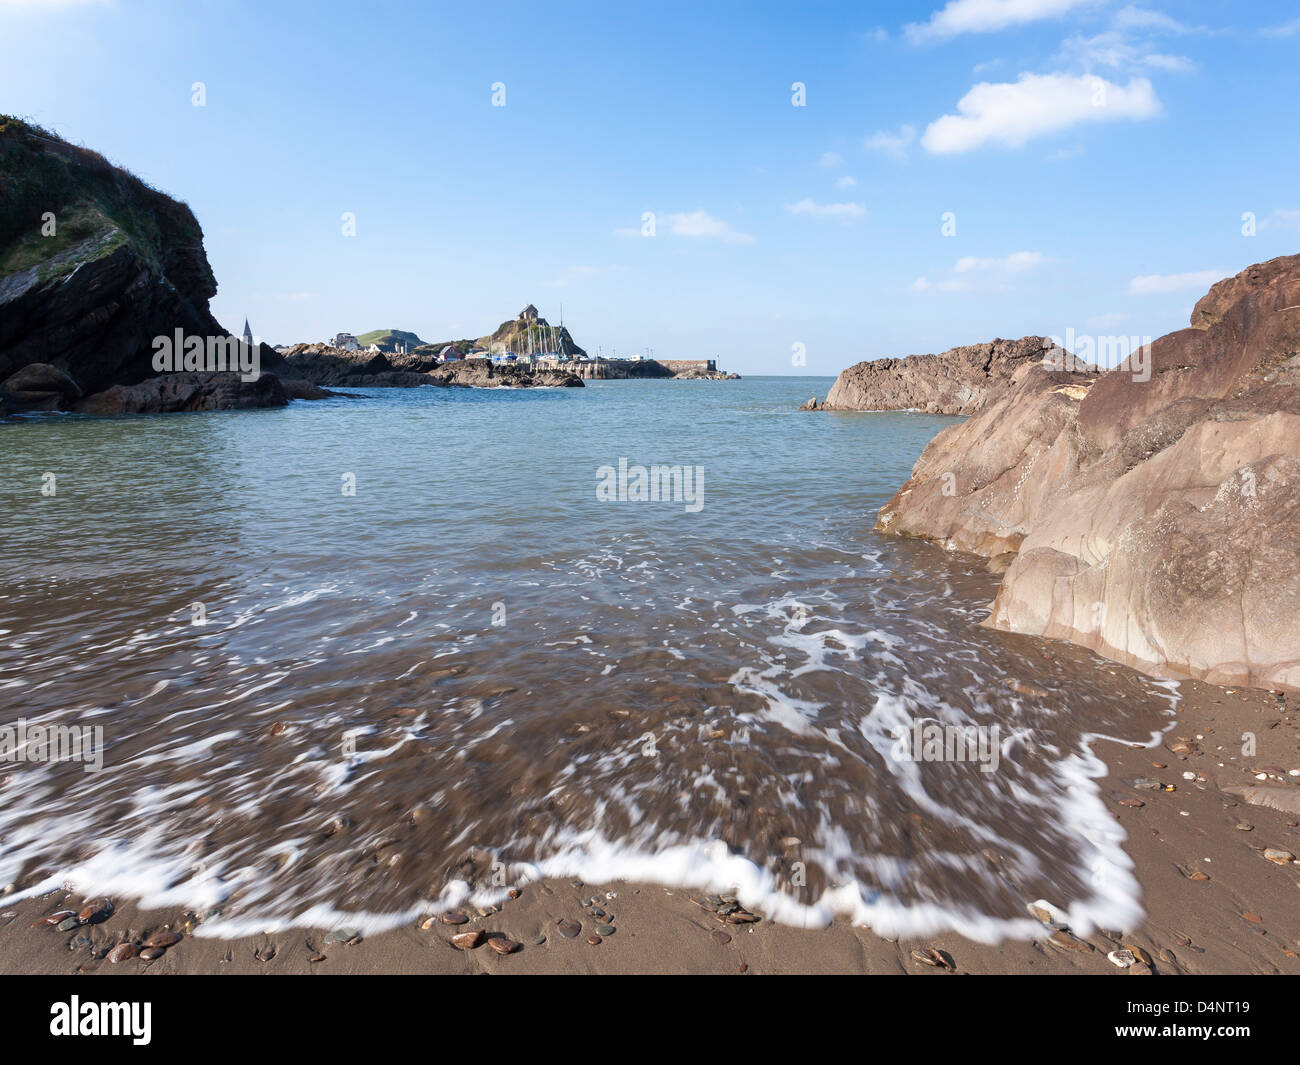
[{"x": 388, "y": 339}]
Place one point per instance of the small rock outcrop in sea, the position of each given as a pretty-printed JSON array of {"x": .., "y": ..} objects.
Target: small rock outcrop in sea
[
  {"x": 960, "y": 381},
  {"x": 176, "y": 392},
  {"x": 1153, "y": 510},
  {"x": 94, "y": 264},
  {"x": 320, "y": 364}
]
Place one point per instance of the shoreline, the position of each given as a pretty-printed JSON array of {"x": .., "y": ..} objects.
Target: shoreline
[{"x": 1212, "y": 902}]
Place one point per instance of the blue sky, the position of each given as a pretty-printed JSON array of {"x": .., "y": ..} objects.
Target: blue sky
[{"x": 1098, "y": 157}]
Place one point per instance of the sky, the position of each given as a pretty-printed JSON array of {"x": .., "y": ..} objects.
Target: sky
[{"x": 787, "y": 188}]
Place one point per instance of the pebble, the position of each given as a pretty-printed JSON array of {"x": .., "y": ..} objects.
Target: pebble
[
  {"x": 122, "y": 952},
  {"x": 1198, "y": 875},
  {"x": 68, "y": 924},
  {"x": 162, "y": 939},
  {"x": 514, "y": 893},
  {"x": 1135, "y": 803},
  {"x": 151, "y": 953},
  {"x": 539, "y": 940},
  {"x": 504, "y": 946},
  {"x": 467, "y": 940},
  {"x": 568, "y": 929},
  {"x": 1243, "y": 826},
  {"x": 316, "y": 957},
  {"x": 1062, "y": 940},
  {"x": 605, "y": 930},
  {"x": 720, "y": 938},
  {"x": 95, "y": 910},
  {"x": 453, "y": 918},
  {"x": 342, "y": 935},
  {"x": 1139, "y": 953},
  {"x": 1253, "y": 918},
  {"x": 1278, "y": 856},
  {"x": 595, "y": 941},
  {"x": 54, "y": 918},
  {"x": 934, "y": 958},
  {"x": 1122, "y": 958},
  {"x": 1045, "y": 913}
]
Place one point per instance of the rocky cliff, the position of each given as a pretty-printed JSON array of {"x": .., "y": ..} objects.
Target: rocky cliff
[
  {"x": 1151, "y": 512},
  {"x": 93, "y": 265},
  {"x": 514, "y": 335},
  {"x": 959, "y": 381}
]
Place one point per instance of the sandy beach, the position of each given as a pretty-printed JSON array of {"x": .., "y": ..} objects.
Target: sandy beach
[{"x": 1214, "y": 903}]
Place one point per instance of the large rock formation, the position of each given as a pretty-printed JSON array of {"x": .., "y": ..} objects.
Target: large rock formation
[
  {"x": 94, "y": 264},
  {"x": 960, "y": 381},
  {"x": 1153, "y": 510},
  {"x": 514, "y": 336}
]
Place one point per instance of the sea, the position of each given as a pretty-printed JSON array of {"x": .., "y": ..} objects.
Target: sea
[{"x": 357, "y": 660}]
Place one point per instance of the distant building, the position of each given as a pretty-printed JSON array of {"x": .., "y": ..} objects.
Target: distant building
[
  {"x": 528, "y": 314},
  {"x": 248, "y": 334},
  {"x": 346, "y": 341}
]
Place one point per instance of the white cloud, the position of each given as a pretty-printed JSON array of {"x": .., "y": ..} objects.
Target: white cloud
[
  {"x": 952, "y": 284},
  {"x": 969, "y": 269},
  {"x": 893, "y": 145},
  {"x": 1282, "y": 218},
  {"x": 701, "y": 224},
  {"x": 1133, "y": 17},
  {"x": 1287, "y": 29},
  {"x": 841, "y": 211},
  {"x": 1015, "y": 263},
  {"x": 1011, "y": 113},
  {"x": 831, "y": 160},
  {"x": 1115, "y": 50},
  {"x": 986, "y": 16},
  {"x": 846, "y": 182},
  {"x": 1153, "y": 283}
]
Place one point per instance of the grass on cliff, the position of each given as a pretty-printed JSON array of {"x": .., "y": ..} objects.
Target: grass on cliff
[{"x": 95, "y": 204}]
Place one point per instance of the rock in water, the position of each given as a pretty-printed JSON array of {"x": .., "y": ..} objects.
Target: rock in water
[
  {"x": 959, "y": 381},
  {"x": 89, "y": 299},
  {"x": 39, "y": 386},
  {"x": 1154, "y": 509}
]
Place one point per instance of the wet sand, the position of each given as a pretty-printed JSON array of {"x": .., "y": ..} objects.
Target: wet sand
[{"x": 1242, "y": 919}]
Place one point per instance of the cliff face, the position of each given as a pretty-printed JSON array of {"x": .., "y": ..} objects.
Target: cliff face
[
  {"x": 959, "y": 381},
  {"x": 118, "y": 263},
  {"x": 1154, "y": 516}
]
